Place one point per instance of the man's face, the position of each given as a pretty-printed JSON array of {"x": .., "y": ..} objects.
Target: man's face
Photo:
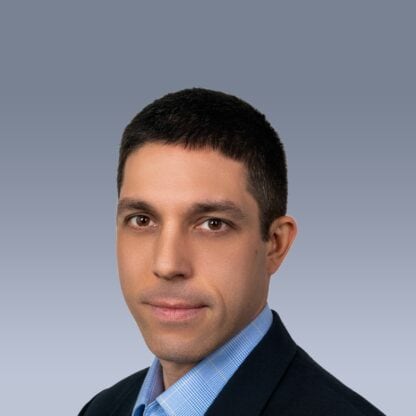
[{"x": 192, "y": 264}]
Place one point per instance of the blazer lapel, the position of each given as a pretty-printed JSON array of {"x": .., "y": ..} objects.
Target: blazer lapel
[
  {"x": 248, "y": 390},
  {"x": 125, "y": 401}
]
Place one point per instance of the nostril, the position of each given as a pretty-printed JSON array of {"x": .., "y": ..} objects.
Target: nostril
[{"x": 169, "y": 275}]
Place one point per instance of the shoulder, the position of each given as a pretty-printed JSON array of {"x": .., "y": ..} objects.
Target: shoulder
[
  {"x": 116, "y": 399},
  {"x": 310, "y": 389}
]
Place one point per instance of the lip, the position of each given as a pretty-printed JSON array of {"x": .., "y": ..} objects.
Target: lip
[{"x": 174, "y": 311}]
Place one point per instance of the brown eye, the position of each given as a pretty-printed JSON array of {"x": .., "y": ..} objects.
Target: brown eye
[
  {"x": 214, "y": 224},
  {"x": 140, "y": 221}
]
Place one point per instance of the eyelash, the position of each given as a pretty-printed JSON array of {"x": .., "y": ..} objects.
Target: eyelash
[{"x": 227, "y": 224}]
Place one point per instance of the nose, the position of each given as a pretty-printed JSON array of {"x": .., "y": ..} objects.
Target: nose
[{"x": 171, "y": 256}]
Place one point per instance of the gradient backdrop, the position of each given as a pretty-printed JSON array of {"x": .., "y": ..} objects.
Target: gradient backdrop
[{"x": 336, "y": 79}]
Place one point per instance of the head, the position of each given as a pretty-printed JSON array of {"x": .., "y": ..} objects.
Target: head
[{"x": 201, "y": 223}]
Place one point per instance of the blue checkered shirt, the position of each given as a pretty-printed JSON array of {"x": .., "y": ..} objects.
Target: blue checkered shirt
[{"x": 194, "y": 392}]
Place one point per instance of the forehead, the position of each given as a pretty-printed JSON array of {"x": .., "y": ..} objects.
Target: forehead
[{"x": 172, "y": 174}]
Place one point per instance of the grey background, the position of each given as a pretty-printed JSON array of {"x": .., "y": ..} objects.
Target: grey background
[{"x": 335, "y": 78}]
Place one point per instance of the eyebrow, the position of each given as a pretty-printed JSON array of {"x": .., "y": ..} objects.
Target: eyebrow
[{"x": 198, "y": 208}]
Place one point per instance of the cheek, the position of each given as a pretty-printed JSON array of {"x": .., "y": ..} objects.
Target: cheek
[
  {"x": 235, "y": 270},
  {"x": 132, "y": 258}
]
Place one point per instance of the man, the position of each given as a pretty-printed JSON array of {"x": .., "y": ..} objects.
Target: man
[{"x": 201, "y": 227}]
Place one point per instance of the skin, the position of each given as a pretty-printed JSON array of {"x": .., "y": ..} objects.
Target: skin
[{"x": 193, "y": 268}]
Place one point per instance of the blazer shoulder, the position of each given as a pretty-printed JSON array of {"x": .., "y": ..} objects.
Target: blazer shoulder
[
  {"x": 311, "y": 389},
  {"x": 114, "y": 399}
]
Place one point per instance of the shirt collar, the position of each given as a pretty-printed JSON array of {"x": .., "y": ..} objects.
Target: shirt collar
[{"x": 194, "y": 392}]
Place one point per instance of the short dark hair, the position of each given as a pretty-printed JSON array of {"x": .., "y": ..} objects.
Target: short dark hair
[{"x": 198, "y": 118}]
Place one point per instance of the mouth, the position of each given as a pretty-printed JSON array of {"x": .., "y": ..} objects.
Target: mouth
[{"x": 175, "y": 311}]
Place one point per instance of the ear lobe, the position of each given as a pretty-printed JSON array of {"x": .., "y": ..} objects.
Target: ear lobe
[{"x": 282, "y": 233}]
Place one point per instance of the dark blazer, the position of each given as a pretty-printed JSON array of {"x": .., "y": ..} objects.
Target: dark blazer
[{"x": 278, "y": 378}]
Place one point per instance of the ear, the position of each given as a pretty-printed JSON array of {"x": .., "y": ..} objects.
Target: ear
[{"x": 282, "y": 233}]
